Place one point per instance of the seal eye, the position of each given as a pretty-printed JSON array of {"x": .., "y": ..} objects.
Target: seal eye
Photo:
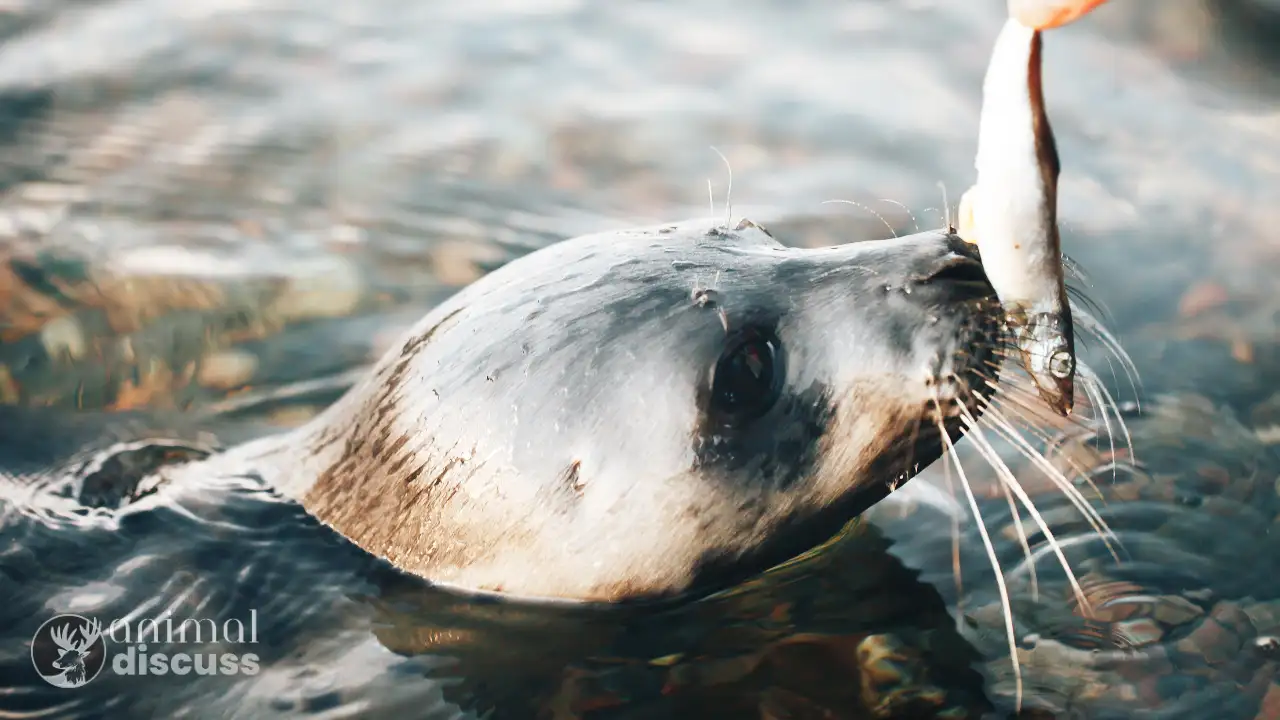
[{"x": 747, "y": 379}]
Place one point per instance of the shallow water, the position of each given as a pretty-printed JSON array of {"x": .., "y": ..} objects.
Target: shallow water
[{"x": 213, "y": 215}]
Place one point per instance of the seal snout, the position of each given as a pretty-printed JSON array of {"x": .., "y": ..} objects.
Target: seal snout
[
  {"x": 958, "y": 269},
  {"x": 960, "y": 329}
]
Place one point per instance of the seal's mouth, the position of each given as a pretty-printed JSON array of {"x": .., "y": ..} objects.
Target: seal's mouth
[
  {"x": 966, "y": 376},
  {"x": 966, "y": 369}
]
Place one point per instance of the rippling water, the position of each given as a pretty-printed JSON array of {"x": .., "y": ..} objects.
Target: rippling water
[{"x": 214, "y": 214}]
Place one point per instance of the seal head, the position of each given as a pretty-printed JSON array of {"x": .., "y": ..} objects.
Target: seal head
[{"x": 648, "y": 413}]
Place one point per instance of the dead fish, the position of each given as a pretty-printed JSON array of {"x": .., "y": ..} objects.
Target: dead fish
[{"x": 1012, "y": 210}]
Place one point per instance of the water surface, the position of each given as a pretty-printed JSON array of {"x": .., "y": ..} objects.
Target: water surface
[{"x": 214, "y": 214}]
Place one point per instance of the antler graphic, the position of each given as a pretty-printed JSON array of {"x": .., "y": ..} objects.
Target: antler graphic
[
  {"x": 90, "y": 633},
  {"x": 62, "y": 637}
]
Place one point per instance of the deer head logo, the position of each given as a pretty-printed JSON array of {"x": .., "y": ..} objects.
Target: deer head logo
[{"x": 69, "y": 651}]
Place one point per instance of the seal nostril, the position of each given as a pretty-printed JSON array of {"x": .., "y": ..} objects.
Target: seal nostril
[
  {"x": 959, "y": 279},
  {"x": 960, "y": 270}
]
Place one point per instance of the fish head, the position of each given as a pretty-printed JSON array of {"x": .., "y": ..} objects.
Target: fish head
[{"x": 1047, "y": 344}]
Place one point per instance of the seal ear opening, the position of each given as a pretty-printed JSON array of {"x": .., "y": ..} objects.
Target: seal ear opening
[{"x": 747, "y": 380}]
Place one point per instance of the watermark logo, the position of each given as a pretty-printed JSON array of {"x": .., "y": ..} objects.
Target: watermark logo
[{"x": 68, "y": 651}]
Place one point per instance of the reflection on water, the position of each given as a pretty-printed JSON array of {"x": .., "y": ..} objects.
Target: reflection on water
[{"x": 213, "y": 215}]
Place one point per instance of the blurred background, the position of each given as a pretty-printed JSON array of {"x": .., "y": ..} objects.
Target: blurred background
[
  {"x": 180, "y": 181},
  {"x": 225, "y": 209}
]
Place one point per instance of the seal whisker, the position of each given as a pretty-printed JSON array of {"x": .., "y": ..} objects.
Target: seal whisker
[
  {"x": 728, "y": 195},
  {"x": 1016, "y": 395},
  {"x": 1090, "y": 325},
  {"x": 912, "y": 443},
  {"x": 1090, "y": 385},
  {"x": 1006, "y": 429},
  {"x": 995, "y": 460},
  {"x": 1014, "y": 432},
  {"x": 1015, "y": 412},
  {"x": 1075, "y": 270},
  {"x": 946, "y": 210},
  {"x": 1097, "y": 393},
  {"x": 1012, "y": 388},
  {"x": 1055, "y": 445},
  {"x": 1005, "y": 604},
  {"x": 864, "y": 207},
  {"x": 1022, "y": 404},
  {"x": 915, "y": 225},
  {"x": 1110, "y": 366},
  {"x": 1088, "y": 301},
  {"x": 1081, "y": 294},
  {"x": 955, "y": 539},
  {"x": 1008, "y": 481}
]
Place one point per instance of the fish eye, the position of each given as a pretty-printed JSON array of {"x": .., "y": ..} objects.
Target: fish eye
[
  {"x": 1061, "y": 364},
  {"x": 747, "y": 379}
]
